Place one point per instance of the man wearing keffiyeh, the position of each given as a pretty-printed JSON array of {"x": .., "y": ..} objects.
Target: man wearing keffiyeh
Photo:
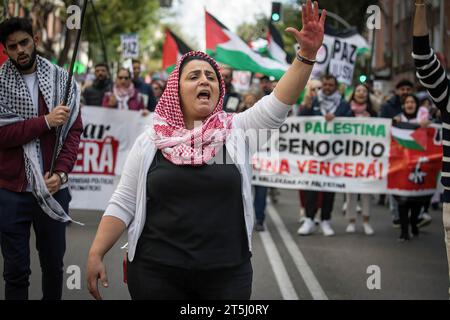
[{"x": 31, "y": 90}]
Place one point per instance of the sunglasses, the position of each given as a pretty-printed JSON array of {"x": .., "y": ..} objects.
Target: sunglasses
[{"x": 123, "y": 78}]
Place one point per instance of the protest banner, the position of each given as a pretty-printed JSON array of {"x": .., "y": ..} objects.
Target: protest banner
[
  {"x": 351, "y": 155},
  {"x": 108, "y": 136},
  {"x": 129, "y": 46},
  {"x": 337, "y": 56}
]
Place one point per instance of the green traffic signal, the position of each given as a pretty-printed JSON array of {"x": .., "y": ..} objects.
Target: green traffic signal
[
  {"x": 275, "y": 17},
  {"x": 363, "y": 78}
]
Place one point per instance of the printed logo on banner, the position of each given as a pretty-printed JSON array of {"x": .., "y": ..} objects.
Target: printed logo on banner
[
  {"x": 97, "y": 153},
  {"x": 415, "y": 159},
  {"x": 97, "y": 157}
]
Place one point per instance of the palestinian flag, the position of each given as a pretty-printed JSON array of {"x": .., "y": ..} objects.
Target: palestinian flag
[
  {"x": 415, "y": 159},
  {"x": 275, "y": 45},
  {"x": 3, "y": 57},
  {"x": 227, "y": 48},
  {"x": 410, "y": 138},
  {"x": 173, "y": 49}
]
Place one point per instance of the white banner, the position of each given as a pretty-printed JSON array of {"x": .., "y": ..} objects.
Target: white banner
[
  {"x": 345, "y": 155},
  {"x": 107, "y": 139},
  {"x": 130, "y": 46},
  {"x": 338, "y": 55}
]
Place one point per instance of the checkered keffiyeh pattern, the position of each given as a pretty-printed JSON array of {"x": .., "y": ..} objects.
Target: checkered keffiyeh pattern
[
  {"x": 16, "y": 105},
  {"x": 178, "y": 144}
]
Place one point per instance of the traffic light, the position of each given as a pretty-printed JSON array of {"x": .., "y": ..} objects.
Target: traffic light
[
  {"x": 276, "y": 12},
  {"x": 362, "y": 78}
]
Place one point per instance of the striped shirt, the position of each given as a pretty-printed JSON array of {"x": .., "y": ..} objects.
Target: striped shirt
[{"x": 434, "y": 78}]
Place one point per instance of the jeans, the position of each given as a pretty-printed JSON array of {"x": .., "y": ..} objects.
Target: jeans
[
  {"x": 18, "y": 211},
  {"x": 393, "y": 207},
  {"x": 260, "y": 203}
]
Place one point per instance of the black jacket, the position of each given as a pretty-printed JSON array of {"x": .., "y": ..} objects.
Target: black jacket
[
  {"x": 147, "y": 91},
  {"x": 93, "y": 95},
  {"x": 391, "y": 108}
]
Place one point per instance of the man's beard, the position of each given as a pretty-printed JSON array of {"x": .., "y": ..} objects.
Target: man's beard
[{"x": 30, "y": 63}]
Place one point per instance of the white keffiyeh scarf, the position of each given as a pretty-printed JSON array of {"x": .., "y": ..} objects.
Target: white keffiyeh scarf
[{"x": 329, "y": 104}]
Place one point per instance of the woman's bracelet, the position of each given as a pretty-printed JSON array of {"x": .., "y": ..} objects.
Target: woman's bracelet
[{"x": 305, "y": 60}]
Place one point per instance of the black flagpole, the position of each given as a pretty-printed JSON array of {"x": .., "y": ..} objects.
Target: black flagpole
[{"x": 68, "y": 84}]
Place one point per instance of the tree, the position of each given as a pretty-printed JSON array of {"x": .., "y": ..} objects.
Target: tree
[
  {"x": 354, "y": 12},
  {"x": 252, "y": 31},
  {"x": 117, "y": 17}
]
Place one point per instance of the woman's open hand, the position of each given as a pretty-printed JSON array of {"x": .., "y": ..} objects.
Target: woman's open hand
[
  {"x": 96, "y": 270},
  {"x": 310, "y": 38}
]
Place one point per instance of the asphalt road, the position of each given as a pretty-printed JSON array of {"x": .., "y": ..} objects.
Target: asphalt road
[{"x": 287, "y": 266}]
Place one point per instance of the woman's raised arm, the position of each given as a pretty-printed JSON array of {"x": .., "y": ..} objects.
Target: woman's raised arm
[
  {"x": 420, "y": 19},
  {"x": 310, "y": 39}
]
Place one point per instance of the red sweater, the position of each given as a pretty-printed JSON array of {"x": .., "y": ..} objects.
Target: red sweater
[{"x": 13, "y": 136}]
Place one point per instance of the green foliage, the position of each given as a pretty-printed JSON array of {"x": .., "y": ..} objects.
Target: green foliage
[
  {"x": 252, "y": 31},
  {"x": 118, "y": 17}
]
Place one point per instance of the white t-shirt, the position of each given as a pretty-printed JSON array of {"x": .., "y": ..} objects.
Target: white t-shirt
[
  {"x": 33, "y": 87},
  {"x": 32, "y": 83}
]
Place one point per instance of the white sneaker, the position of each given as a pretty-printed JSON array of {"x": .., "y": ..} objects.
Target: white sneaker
[
  {"x": 368, "y": 229},
  {"x": 307, "y": 227},
  {"x": 326, "y": 228},
  {"x": 351, "y": 228}
]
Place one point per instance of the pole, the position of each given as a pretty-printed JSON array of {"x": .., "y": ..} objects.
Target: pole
[
  {"x": 372, "y": 55},
  {"x": 68, "y": 84},
  {"x": 100, "y": 31}
]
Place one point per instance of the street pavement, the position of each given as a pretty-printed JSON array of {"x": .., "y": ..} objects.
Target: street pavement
[{"x": 289, "y": 267}]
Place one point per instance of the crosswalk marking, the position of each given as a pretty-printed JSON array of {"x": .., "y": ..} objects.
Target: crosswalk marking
[
  {"x": 308, "y": 276},
  {"x": 278, "y": 268}
]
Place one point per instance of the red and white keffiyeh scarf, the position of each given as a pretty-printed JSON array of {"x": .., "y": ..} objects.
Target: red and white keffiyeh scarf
[{"x": 178, "y": 144}]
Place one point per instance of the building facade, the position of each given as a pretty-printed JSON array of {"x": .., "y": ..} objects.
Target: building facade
[{"x": 393, "y": 44}]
